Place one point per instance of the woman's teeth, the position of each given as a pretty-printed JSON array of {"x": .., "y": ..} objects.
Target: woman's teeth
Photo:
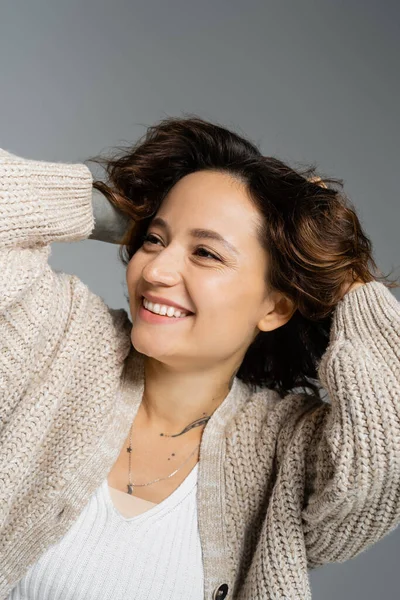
[{"x": 162, "y": 309}]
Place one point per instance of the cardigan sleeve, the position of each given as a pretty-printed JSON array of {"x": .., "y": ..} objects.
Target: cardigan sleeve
[
  {"x": 352, "y": 464},
  {"x": 40, "y": 203},
  {"x": 43, "y": 202}
]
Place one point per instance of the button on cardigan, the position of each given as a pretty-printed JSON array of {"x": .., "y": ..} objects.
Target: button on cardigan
[{"x": 284, "y": 484}]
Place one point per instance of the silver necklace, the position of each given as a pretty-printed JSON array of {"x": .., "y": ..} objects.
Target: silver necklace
[{"x": 131, "y": 485}]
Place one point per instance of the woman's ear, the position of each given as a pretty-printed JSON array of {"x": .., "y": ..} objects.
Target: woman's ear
[{"x": 279, "y": 310}]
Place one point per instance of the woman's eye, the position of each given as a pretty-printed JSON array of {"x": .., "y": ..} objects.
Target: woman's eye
[
  {"x": 152, "y": 238},
  {"x": 148, "y": 237},
  {"x": 207, "y": 252}
]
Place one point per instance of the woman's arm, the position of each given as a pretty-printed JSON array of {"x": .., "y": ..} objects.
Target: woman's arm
[
  {"x": 110, "y": 224},
  {"x": 40, "y": 203},
  {"x": 43, "y": 202},
  {"x": 352, "y": 463}
]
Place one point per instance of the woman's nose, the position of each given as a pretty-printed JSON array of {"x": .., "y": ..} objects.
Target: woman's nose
[{"x": 162, "y": 269}]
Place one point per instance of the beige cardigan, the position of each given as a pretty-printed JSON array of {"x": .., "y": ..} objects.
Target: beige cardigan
[{"x": 284, "y": 484}]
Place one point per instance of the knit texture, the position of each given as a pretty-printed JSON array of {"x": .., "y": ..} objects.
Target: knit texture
[{"x": 284, "y": 485}]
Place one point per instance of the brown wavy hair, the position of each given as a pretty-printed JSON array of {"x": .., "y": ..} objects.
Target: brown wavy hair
[{"x": 311, "y": 233}]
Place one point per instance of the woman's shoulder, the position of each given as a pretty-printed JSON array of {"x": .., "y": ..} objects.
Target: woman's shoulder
[
  {"x": 267, "y": 403},
  {"x": 267, "y": 418}
]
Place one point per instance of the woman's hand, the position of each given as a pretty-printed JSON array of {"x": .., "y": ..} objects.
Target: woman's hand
[
  {"x": 353, "y": 286},
  {"x": 110, "y": 223}
]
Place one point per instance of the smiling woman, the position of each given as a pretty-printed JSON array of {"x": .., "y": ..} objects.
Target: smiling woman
[
  {"x": 236, "y": 484},
  {"x": 224, "y": 288},
  {"x": 290, "y": 230}
]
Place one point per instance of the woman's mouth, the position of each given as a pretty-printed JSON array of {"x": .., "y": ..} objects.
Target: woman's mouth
[{"x": 171, "y": 314}]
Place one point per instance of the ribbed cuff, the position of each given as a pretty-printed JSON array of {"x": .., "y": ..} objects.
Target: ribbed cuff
[
  {"x": 366, "y": 311},
  {"x": 42, "y": 202}
]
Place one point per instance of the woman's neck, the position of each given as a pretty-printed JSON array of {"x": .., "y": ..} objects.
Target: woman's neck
[{"x": 172, "y": 401}]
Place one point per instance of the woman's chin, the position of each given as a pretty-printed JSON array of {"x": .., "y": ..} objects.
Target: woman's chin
[{"x": 150, "y": 346}]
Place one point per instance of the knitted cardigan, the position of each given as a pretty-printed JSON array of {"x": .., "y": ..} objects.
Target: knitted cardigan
[{"x": 285, "y": 485}]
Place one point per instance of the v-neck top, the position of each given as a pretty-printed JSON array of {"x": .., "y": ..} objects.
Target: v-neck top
[{"x": 107, "y": 555}]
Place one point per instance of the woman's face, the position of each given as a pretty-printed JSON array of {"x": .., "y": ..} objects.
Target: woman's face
[{"x": 222, "y": 284}]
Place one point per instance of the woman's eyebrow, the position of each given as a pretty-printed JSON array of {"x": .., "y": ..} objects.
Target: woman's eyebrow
[{"x": 197, "y": 233}]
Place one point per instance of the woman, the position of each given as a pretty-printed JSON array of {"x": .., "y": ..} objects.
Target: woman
[{"x": 236, "y": 475}]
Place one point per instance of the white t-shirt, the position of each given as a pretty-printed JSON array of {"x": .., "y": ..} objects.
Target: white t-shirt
[{"x": 108, "y": 556}]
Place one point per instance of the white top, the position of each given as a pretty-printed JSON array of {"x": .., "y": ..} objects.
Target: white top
[{"x": 108, "y": 556}]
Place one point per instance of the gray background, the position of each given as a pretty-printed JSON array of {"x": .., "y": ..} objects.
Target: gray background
[{"x": 309, "y": 81}]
